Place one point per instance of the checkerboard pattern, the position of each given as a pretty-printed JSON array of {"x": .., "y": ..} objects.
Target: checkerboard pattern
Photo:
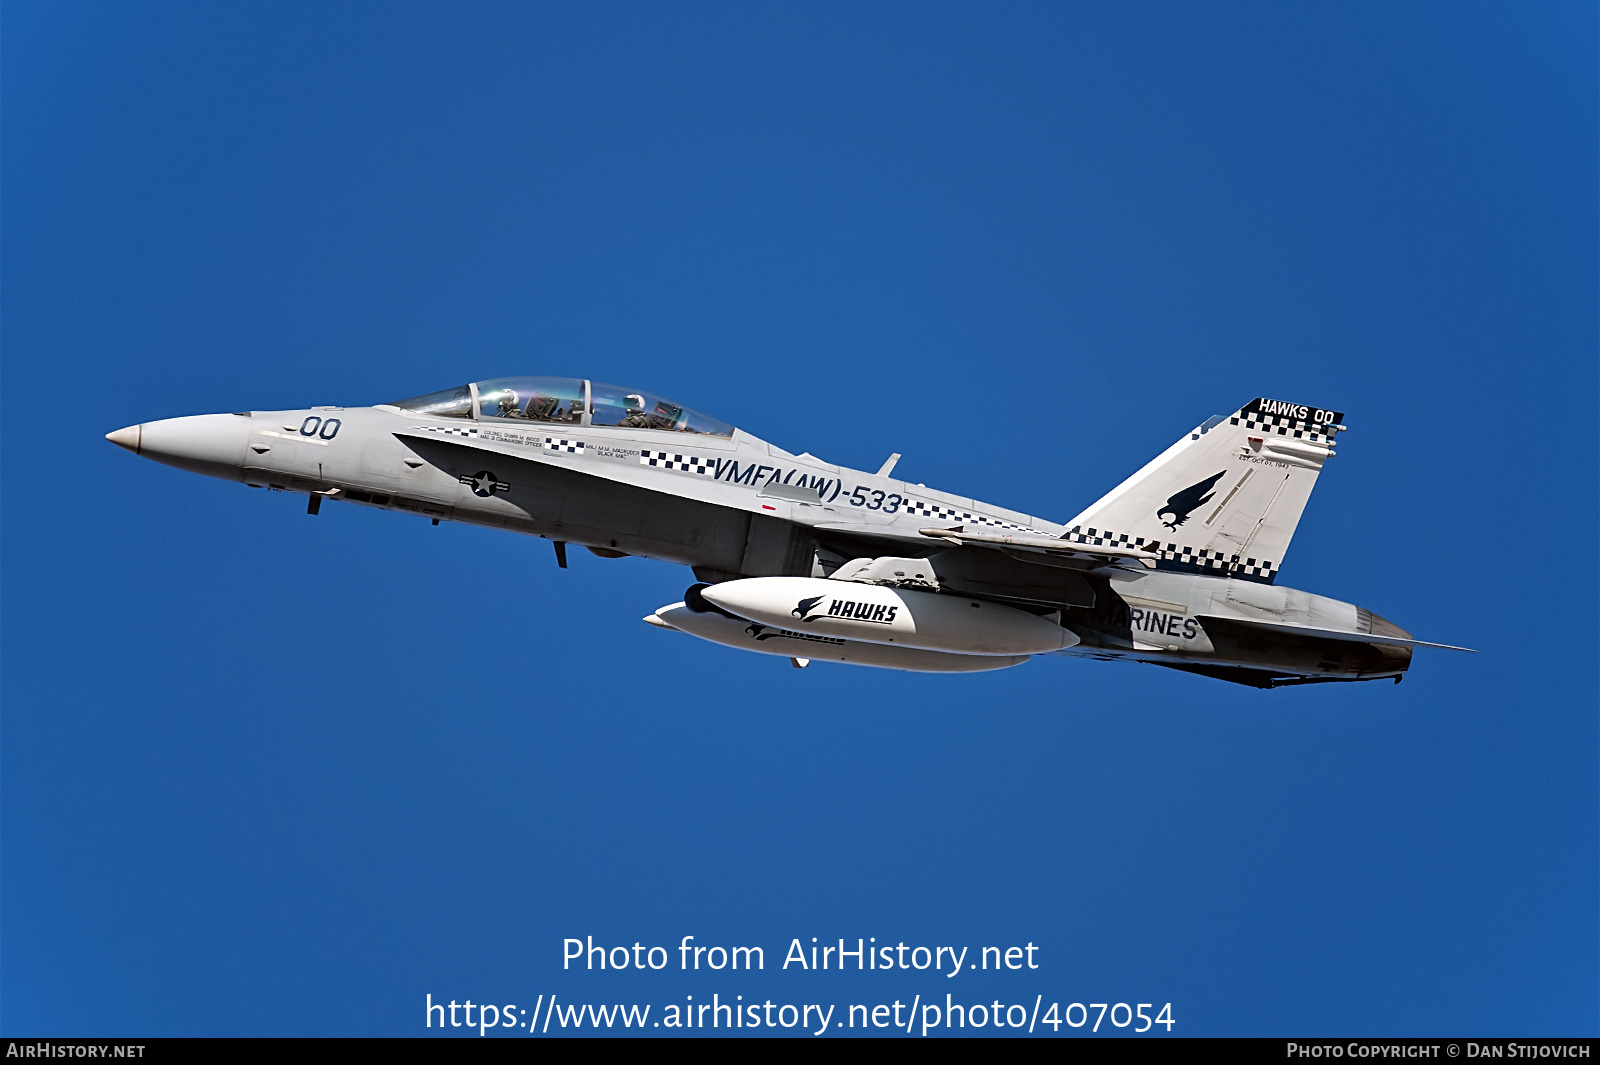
[
  {"x": 1277, "y": 423},
  {"x": 570, "y": 447},
  {"x": 448, "y": 430},
  {"x": 1282, "y": 425},
  {"x": 1173, "y": 557},
  {"x": 668, "y": 461},
  {"x": 952, "y": 515}
]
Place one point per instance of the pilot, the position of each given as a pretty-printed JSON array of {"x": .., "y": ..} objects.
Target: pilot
[
  {"x": 635, "y": 417},
  {"x": 508, "y": 405}
]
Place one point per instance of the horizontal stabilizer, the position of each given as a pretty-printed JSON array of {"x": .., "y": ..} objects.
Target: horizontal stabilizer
[{"x": 1329, "y": 634}]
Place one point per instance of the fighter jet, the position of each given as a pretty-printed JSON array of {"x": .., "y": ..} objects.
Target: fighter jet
[{"x": 801, "y": 559}]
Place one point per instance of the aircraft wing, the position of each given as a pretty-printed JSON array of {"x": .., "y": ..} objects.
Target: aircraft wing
[
  {"x": 686, "y": 514},
  {"x": 1032, "y": 542},
  {"x": 877, "y": 532}
]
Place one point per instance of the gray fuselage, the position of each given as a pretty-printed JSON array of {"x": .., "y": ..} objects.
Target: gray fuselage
[{"x": 735, "y": 506}]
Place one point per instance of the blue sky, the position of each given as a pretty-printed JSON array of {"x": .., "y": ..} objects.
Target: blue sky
[{"x": 268, "y": 774}]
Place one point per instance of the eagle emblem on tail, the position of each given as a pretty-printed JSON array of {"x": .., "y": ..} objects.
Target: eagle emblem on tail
[{"x": 1180, "y": 504}]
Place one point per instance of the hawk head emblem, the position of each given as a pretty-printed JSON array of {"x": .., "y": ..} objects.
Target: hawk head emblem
[
  {"x": 1181, "y": 503},
  {"x": 805, "y": 606}
]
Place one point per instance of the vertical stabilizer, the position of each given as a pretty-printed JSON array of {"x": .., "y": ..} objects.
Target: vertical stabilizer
[{"x": 1225, "y": 499}]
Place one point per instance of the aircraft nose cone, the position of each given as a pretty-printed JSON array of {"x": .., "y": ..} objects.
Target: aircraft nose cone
[
  {"x": 212, "y": 444},
  {"x": 126, "y": 438}
]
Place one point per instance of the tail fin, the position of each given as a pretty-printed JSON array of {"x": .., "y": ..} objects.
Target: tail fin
[{"x": 1226, "y": 498}]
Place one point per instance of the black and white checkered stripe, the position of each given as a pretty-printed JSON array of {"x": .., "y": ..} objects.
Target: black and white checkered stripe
[
  {"x": 1277, "y": 423},
  {"x": 668, "y": 461},
  {"x": 448, "y": 430},
  {"x": 1204, "y": 560},
  {"x": 556, "y": 443},
  {"x": 950, "y": 514}
]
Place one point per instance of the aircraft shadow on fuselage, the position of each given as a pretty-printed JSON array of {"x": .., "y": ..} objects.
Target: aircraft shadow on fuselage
[{"x": 547, "y": 500}]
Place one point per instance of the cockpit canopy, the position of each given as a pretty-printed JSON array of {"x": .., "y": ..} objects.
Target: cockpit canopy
[{"x": 564, "y": 401}]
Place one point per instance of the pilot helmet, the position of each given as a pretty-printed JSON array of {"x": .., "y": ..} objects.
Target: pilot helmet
[
  {"x": 633, "y": 403},
  {"x": 508, "y": 401}
]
